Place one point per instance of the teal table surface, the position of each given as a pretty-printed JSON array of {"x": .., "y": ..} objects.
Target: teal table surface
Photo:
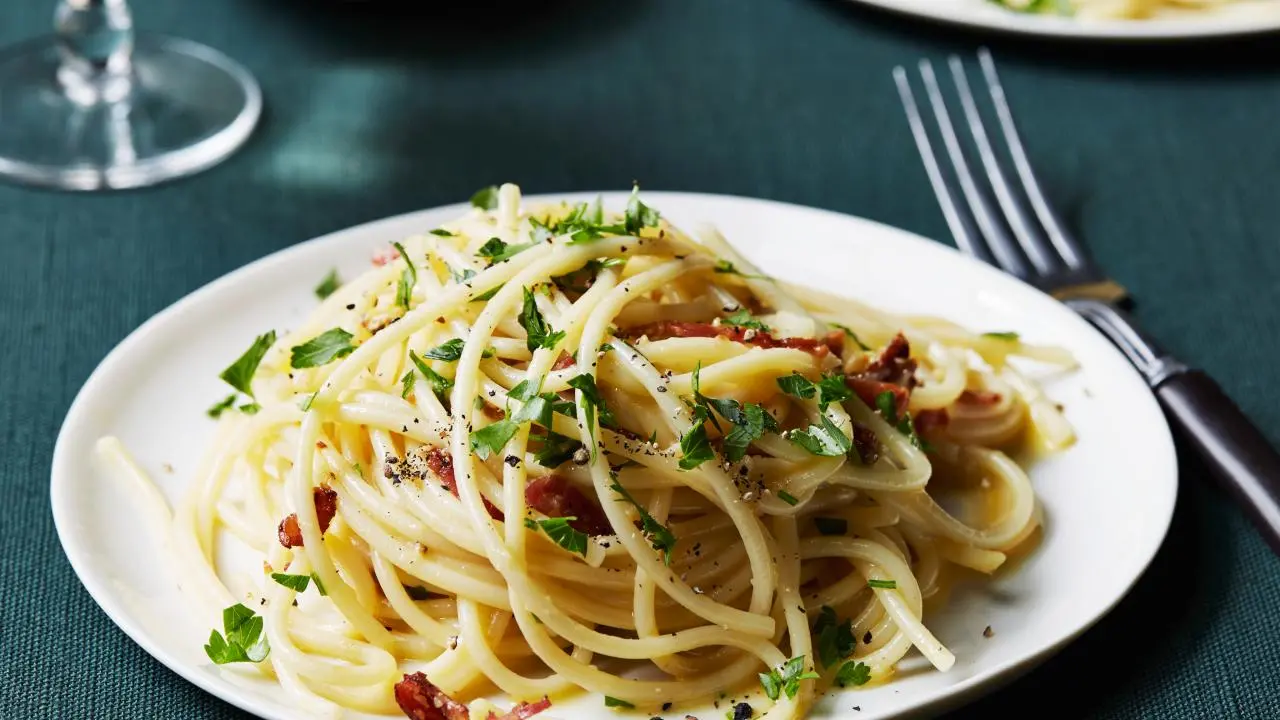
[{"x": 1164, "y": 158}]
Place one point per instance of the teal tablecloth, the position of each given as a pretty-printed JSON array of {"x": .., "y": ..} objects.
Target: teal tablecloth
[{"x": 1165, "y": 159}]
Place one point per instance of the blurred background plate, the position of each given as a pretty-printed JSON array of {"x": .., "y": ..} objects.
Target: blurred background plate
[{"x": 1233, "y": 19}]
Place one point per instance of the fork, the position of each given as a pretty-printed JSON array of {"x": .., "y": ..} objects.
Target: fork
[{"x": 1022, "y": 234}]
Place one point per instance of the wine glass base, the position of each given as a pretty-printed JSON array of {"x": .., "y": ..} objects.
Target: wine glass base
[{"x": 184, "y": 108}]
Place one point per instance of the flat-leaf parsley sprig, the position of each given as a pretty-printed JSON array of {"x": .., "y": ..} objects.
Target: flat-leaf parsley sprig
[{"x": 786, "y": 679}]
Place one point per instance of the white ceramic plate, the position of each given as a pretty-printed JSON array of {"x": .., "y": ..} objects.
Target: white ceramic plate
[
  {"x": 1258, "y": 16},
  {"x": 1108, "y": 501}
]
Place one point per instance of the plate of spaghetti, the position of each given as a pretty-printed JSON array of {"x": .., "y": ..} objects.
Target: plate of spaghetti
[
  {"x": 634, "y": 455},
  {"x": 1101, "y": 19}
]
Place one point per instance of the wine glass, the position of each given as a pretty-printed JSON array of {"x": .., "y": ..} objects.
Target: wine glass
[{"x": 94, "y": 107}]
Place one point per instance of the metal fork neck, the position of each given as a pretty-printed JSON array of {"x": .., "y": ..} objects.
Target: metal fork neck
[{"x": 1154, "y": 363}]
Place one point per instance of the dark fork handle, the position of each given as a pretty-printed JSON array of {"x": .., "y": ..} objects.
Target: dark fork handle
[
  {"x": 1233, "y": 448},
  {"x": 1237, "y": 454}
]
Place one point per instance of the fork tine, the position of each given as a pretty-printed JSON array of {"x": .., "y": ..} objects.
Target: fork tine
[
  {"x": 962, "y": 228},
  {"x": 1003, "y": 247},
  {"x": 1038, "y": 250},
  {"x": 1072, "y": 252}
]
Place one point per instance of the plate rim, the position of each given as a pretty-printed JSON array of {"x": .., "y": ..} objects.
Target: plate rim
[
  {"x": 1111, "y": 31},
  {"x": 989, "y": 680}
]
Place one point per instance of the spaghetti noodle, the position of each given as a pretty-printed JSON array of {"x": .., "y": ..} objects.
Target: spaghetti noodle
[{"x": 552, "y": 449}]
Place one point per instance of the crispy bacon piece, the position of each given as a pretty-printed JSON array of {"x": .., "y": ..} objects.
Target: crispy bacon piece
[
  {"x": 382, "y": 257},
  {"x": 554, "y": 496},
  {"x": 419, "y": 699},
  {"x": 893, "y": 371},
  {"x": 440, "y": 463},
  {"x": 894, "y": 364},
  {"x": 564, "y": 361},
  {"x": 835, "y": 341},
  {"x": 523, "y": 711},
  {"x": 866, "y": 443},
  {"x": 930, "y": 422},
  {"x": 984, "y": 398},
  {"x": 869, "y": 390},
  {"x": 747, "y": 336},
  {"x": 326, "y": 501}
]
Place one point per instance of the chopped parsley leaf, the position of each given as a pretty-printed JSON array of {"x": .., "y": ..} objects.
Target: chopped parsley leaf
[
  {"x": 440, "y": 385},
  {"x": 319, "y": 585},
  {"x": 408, "y": 278},
  {"x": 788, "y": 498},
  {"x": 486, "y": 198},
  {"x": 853, "y": 673},
  {"x": 742, "y": 318},
  {"x": 491, "y": 248},
  {"x": 835, "y": 640},
  {"x": 1007, "y": 335},
  {"x": 451, "y": 350},
  {"x": 487, "y": 295},
  {"x": 592, "y": 403},
  {"x": 498, "y": 251},
  {"x": 250, "y": 408},
  {"x": 749, "y": 421},
  {"x": 540, "y": 233},
  {"x": 461, "y": 277},
  {"x": 296, "y": 583},
  {"x": 695, "y": 448},
  {"x": 787, "y": 679},
  {"x": 797, "y": 385},
  {"x": 659, "y": 536},
  {"x": 321, "y": 349},
  {"x": 585, "y": 223},
  {"x": 239, "y": 374},
  {"x": 561, "y": 533},
  {"x": 540, "y": 332},
  {"x": 524, "y": 391},
  {"x": 556, "y": 450},
  {"x": 221, "y": 406},
  {"x": 244, "y": 641},
  {"x": 883, "y": 584},
  {"x": 328, "y": 285},
  {"x": 826, "y": 440},
  {"x": 492, "y": 438},
  {"x": 830, "y": 389},
  {"x": 724, "y": 267},
  {"x": 441, "y": 232},
  {"x": 565, "y": 407},
  {"x": 887, "y": 405},
  {"x": 639, "y": 215},
  {"x": 615, "y": 702}
]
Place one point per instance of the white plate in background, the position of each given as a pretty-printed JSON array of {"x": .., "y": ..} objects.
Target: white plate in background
[
  {"x": 1108, "y": 500},
  {"x": 1250, "y": 18}
]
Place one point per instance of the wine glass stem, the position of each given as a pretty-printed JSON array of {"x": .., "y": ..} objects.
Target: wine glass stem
[{"x": 95, "y": 39}]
